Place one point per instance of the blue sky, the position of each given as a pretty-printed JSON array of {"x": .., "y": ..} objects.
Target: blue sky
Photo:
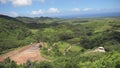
[{"x": 56, "y": 8}]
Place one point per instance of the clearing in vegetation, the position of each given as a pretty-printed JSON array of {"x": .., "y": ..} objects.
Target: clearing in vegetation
[{"x": 24, "y": 54}]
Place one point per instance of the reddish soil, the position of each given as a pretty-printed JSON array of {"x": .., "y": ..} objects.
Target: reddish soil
[{"x": 25, "y": 53}]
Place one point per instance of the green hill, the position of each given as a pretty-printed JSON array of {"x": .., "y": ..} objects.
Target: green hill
[
  {"x": 37, "y": 19},
  {"x": 13, "y": 33}
]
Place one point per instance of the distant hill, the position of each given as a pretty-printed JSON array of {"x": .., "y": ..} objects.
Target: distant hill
[
  {"x": 9, "y": 18},
  {"x": 36, "y": 19}
]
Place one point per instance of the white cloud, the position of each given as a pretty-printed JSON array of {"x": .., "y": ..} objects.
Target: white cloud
[
  {"x": 13, "y": 14},
  {"x": 21, "y": 2},
  {"x": 75, "y": 10},
  {"x": 40, "y": 11},
  {"x": 3, "y": 1},
  {"x": 37, "y": 12},
  {"x": 87, "y": 9},
  {"x": 42, "y": 1},
  {"x": 18, "y": 2},
  {"x": 53, "y": 10}
]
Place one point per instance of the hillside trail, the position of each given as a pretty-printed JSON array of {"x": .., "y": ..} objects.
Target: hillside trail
[{"x": 22, "y": 55}]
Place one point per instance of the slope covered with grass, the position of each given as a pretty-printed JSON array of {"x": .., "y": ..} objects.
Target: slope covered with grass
[{"x": 13, "y": 33}]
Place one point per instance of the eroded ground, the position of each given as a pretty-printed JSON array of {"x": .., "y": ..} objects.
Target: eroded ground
[{"x": 23, "y": 54}]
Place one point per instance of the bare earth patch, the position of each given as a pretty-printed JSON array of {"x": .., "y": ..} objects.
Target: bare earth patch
[{"x": 23, "y": 54}]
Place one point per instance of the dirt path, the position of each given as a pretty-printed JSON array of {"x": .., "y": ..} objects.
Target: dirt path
[{"x": 23, "y": 54}]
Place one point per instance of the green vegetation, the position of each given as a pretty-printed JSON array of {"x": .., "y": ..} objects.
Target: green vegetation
[
  {"x": 70, "y": 42},
  {"x": 13, "y": 34}
]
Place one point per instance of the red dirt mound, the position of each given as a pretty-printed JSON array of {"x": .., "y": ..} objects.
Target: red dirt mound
[{"x": 23, "y": 54}]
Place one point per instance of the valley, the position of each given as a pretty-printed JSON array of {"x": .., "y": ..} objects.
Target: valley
[{"x": 44, "y": 42}]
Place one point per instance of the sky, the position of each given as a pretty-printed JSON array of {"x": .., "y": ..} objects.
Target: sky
[{"x": 54, "y": 8}]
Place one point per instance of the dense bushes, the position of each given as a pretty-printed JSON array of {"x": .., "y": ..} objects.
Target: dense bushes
[
  {"x": 8, "y": 64},
  {"x": 99, "y": 39},
  {"x": 111, "y": 60},
  {"x": 54, "y": 34}
]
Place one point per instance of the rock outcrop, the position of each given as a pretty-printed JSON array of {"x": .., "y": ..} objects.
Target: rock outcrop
[{"x": 100, "y": 49}]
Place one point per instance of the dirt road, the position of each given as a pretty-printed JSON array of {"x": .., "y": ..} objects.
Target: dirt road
[{"x": 23, "y": 54}]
